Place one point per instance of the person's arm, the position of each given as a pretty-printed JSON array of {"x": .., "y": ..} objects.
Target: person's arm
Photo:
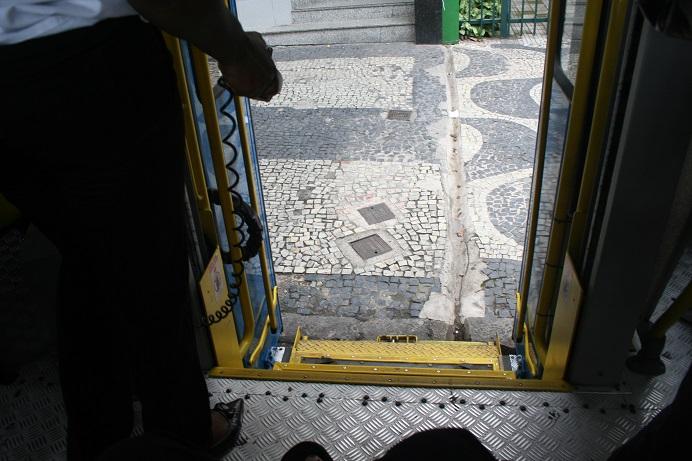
[{"x": 244, "y": 61}]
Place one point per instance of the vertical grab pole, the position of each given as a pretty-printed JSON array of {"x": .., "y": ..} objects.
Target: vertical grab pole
[
  {"x": 194, "y": 158},
  {"x": 541, "y": 141},
  {"x": 206, "y": 96},
  {"x": 571, "y": 170},
  {"x": 223, "y": 334},
  {"x": 270, "y": 291}
]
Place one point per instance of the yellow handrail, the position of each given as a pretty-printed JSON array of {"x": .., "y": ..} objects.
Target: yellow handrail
[
  {"x": 194, "y": 158},
  {"x": 552, "y": 48},
  {"x": 206, "y": 96},
  {"x": 570, "y": 171},
  {"x": 260, "y": 344}
]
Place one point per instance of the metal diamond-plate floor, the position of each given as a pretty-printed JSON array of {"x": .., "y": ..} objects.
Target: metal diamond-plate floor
[{"x": 514, "y": 425}]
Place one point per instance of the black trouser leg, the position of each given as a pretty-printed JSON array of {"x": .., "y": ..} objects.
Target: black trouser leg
[{"x": 92, "y": 150}]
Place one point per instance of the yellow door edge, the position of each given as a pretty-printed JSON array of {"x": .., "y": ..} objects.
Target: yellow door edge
[{"x": 384, "y": 379}]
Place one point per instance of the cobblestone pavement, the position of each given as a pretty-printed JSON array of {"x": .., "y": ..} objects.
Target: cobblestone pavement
[
  {"x": 355, "y": 200},
  {"x": 499, "y": 86}
]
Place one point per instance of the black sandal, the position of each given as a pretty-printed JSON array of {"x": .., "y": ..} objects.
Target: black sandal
[{"x": 233, "y": 412}]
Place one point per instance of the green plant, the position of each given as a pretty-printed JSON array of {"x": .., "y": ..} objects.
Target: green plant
[{"x": 471, "y": 12}]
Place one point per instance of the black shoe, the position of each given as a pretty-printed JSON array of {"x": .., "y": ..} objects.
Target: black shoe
[
  {"x": 233, "y": 412},
  {"x": 305, "y": 450}
]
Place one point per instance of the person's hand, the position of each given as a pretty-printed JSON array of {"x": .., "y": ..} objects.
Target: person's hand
[{"x": 256, "y": 75}]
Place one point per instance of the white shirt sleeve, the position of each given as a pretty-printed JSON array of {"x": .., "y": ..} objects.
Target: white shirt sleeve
[{"x": 22, "y": 20}]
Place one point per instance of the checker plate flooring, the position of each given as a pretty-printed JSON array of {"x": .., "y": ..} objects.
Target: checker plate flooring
[{"x": 572, "y": 426}]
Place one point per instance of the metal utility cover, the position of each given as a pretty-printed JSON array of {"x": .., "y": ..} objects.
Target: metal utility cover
[
  {"x": 401, "y": 115},
  {"x": 370, "y": 246},
  {"x": 376, "y": 213}
]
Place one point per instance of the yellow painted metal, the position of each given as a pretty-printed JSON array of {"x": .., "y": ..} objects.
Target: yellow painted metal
[
  {"x": 570, "y": 170},
  {"x": 563, "y": 327},
  {"x": 519, "y": 314},
  {"x": 570, "y": 291},
  {"x": 421, "y": 352},
  {"x": 8, "y": 213},
  {"x": 214, "y": 292},
  {"x": 393, "y": 376},
  {"x": 379, "y": 369},
  {"x": 206, "y": 96},
  {"x": 528, "y": 354},
  {"x": 194, "y": 158},
  {"x": 296, "y": 340},
  {"x": 260, "y": 343},
  {"x": 230, "y": 352},
  {"x": 552, "y": 48},
  {"x": 605, "y": 92},
  {"x": 270, "y": 291},
  {"x": 498, "y": 347}
]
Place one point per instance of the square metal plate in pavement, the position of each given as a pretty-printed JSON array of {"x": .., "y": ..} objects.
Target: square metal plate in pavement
[
  {"x": 376, "y": 213},
  {"x": 370, "y": 246}
]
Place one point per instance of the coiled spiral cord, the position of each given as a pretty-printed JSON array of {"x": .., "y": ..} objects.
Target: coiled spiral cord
[{"x": 244, "y": 218}]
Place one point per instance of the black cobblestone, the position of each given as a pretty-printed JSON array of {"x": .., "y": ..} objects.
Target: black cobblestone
[
  {"x": 507, "y": 97},
  {"x": 482, "y": 64},
  {"x": 501, "y": 287},
  {"x": 507, "y": 146},
  {"x": 360, "y": 296},
  {"x": 355, "y": 133},
  {"x": 507, "y": 208}
]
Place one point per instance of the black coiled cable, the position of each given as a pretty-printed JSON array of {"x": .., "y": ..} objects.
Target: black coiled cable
[{"x": 244, "y": 216}]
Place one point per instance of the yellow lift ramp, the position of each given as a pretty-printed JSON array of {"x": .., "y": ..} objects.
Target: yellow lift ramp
[{"x": 401, "y": 355}]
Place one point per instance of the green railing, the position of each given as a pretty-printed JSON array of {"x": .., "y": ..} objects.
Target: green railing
[{"x": 482, "y": 18}]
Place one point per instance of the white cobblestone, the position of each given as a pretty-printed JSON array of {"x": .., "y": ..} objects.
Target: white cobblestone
[{"x": 368, "y": 82}]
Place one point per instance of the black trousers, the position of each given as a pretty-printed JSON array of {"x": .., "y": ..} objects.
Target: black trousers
[{"x": 92, "y": 151}]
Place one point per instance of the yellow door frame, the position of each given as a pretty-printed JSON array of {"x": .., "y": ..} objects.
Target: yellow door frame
[{"x": 552, "y": 357}]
